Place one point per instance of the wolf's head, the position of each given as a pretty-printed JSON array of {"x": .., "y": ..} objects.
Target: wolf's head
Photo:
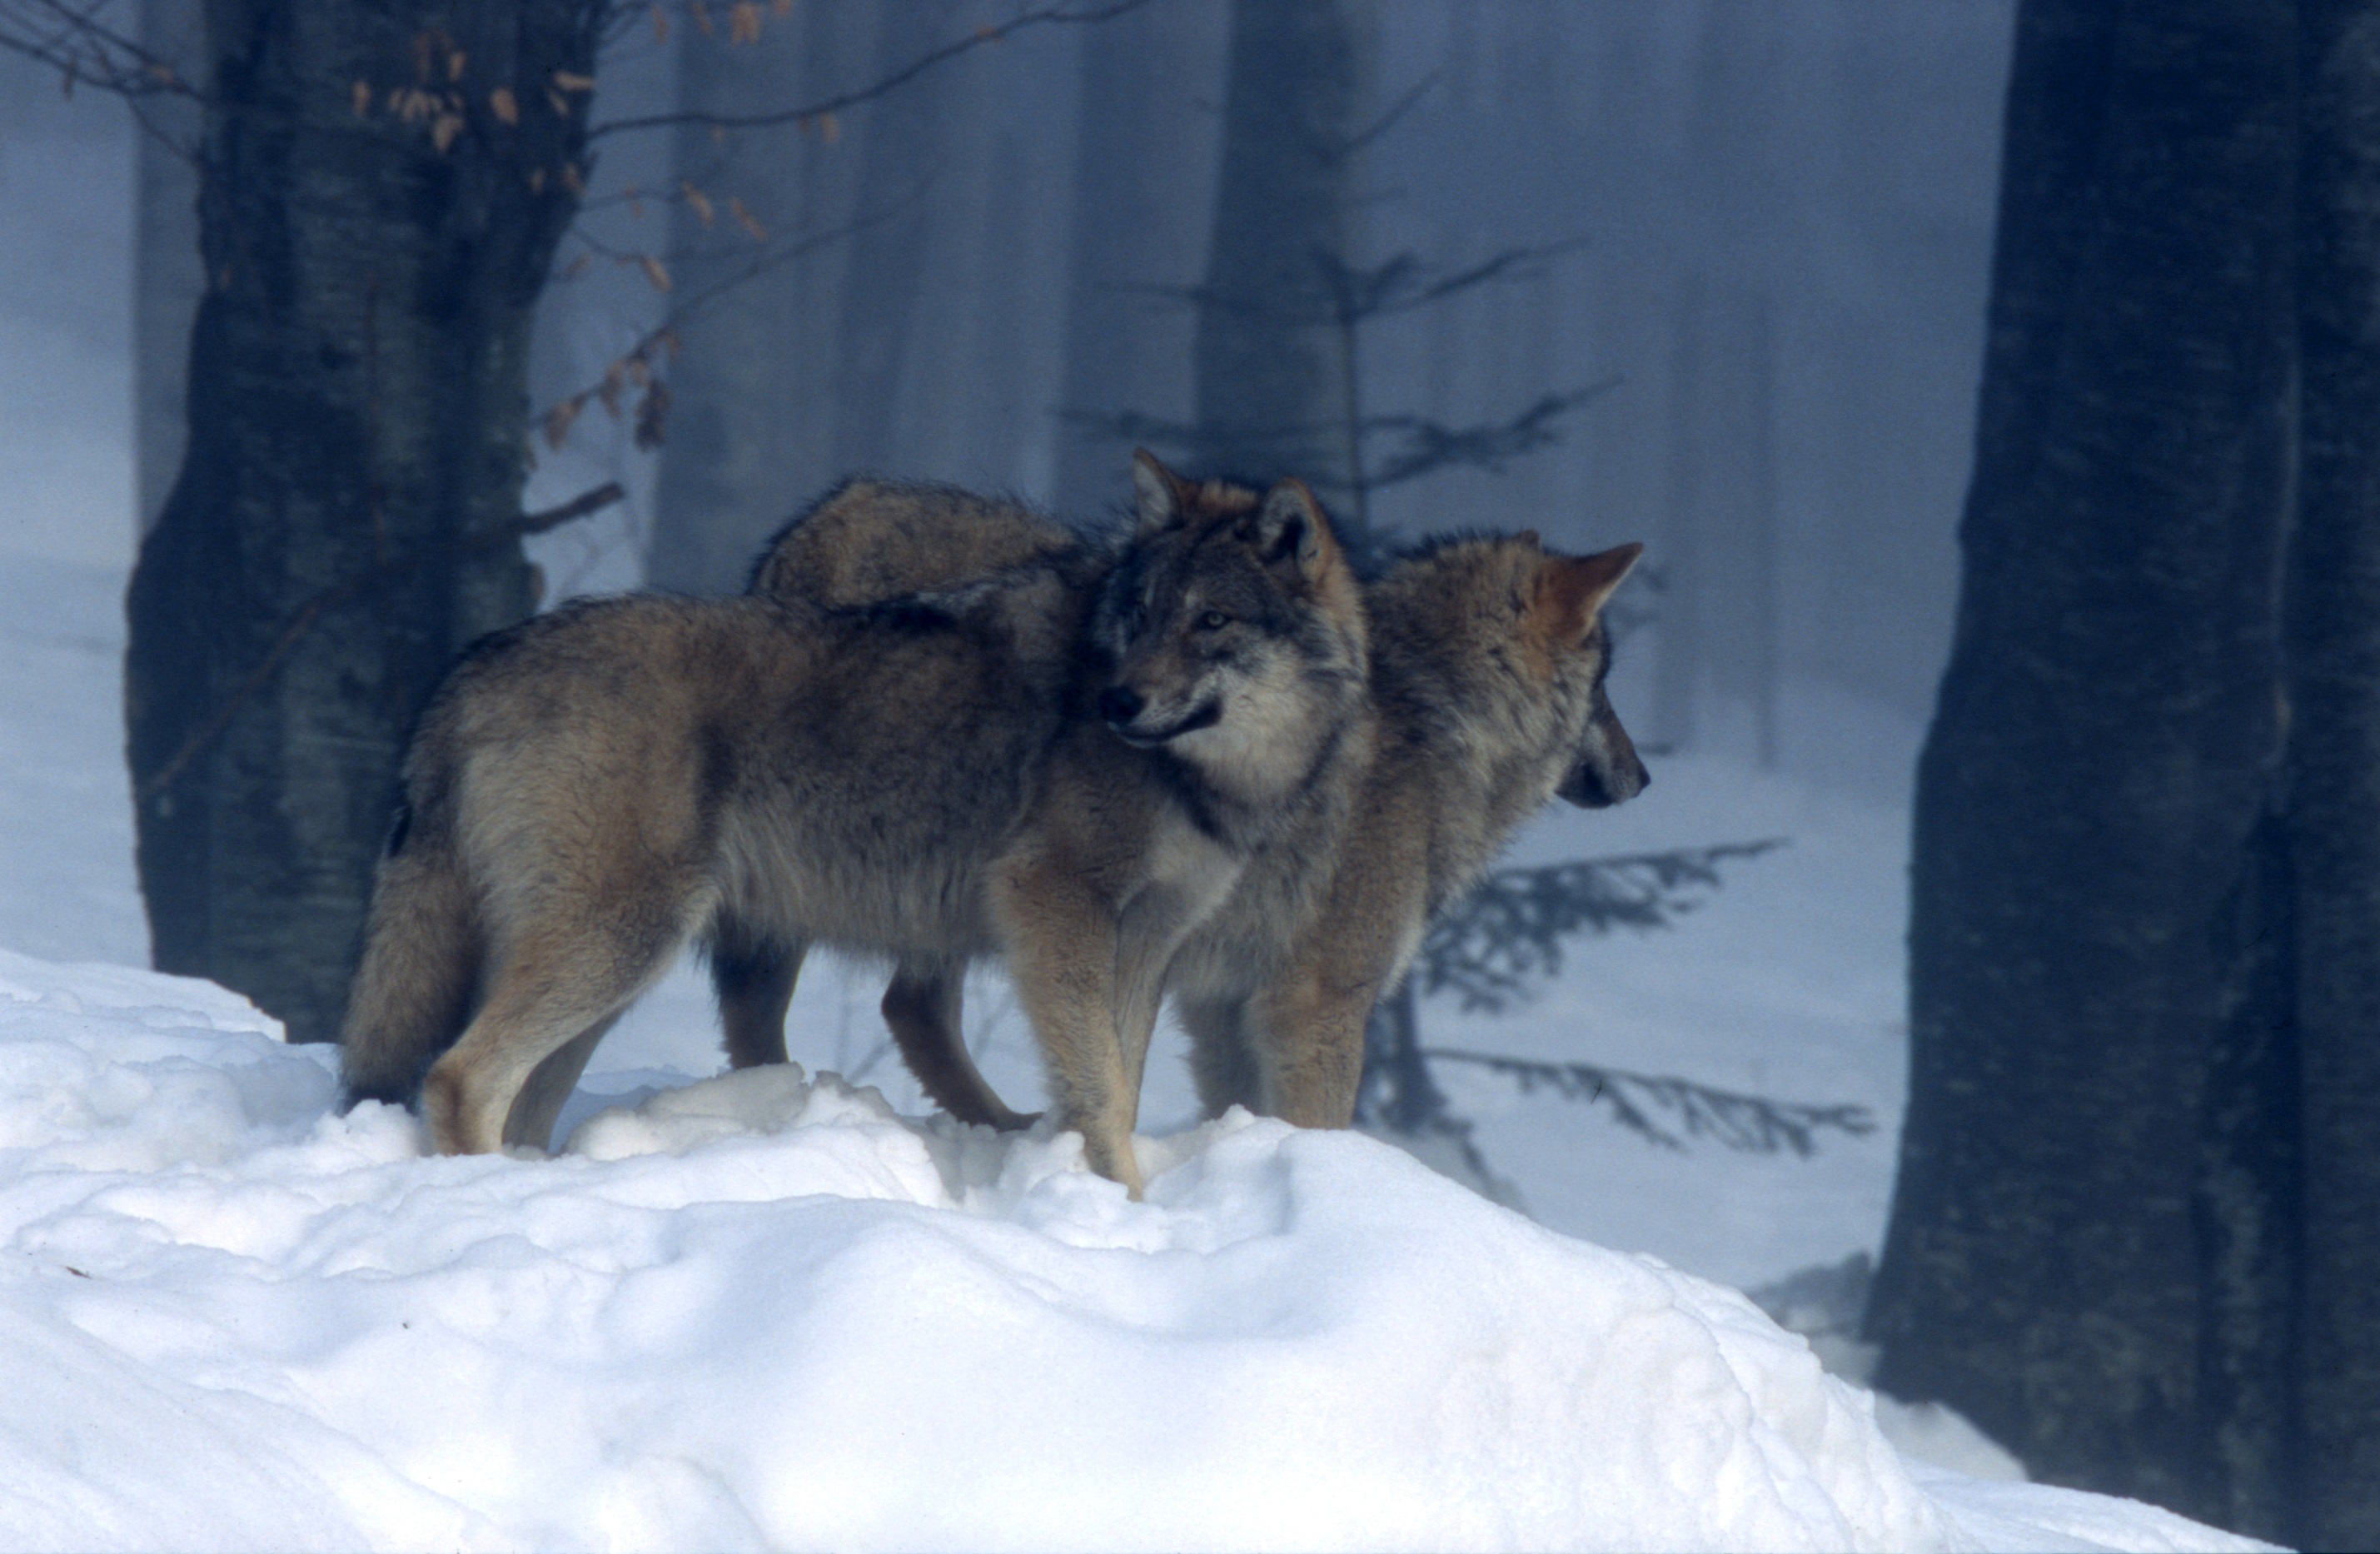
[
  {"x": 1502, "y": 644},
  {"x": 1233, "y": 627},
  {"x": 1608, "y": 769}
]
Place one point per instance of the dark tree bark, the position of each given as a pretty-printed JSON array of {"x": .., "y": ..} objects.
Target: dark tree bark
[
  {"x": 2101, "y": 751},
  {"x": 2333, "y": 625},
  {"x": 1273, "y": 385},
  {"x": 358, "y": 397}
]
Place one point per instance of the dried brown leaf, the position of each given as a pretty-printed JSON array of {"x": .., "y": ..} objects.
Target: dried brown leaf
[
  {"x": 743, "y": 22},
  {"x": 655, "y": 272},
  {"x": 571, "y": 80},
  {"x": 362, "y": 99},
  {"x": 744, "y": 219},
  {"x": 454, "y": 63},
  {"x": 560, "y": 103},
  {"x": 830, "y": 127},
  {"x": 558, "y": 419},
  {"x": 443, "y": 133},
  {"x": 504, "y": 106},
  {"x": 701, "y": 14},
  {"x": 698, "y": 199},
  {"x": 536, "y": 180},
  {"x": 571, "y": 180}
]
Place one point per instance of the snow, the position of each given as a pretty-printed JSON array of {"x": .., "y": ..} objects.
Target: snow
[{"x": 768, "y": 1310}]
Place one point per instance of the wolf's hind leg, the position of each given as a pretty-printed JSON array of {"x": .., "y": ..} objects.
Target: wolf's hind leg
[
  {"x": 549, "y": 1088},
  {"x": 922, "y": 1008},
  {"x": 554, "y": 987},
  {"x": 752, "y": 974}
]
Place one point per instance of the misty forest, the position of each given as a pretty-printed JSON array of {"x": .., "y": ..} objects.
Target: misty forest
[{"x": 1941, "y": 1109}]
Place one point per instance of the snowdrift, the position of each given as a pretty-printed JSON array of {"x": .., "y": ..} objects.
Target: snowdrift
[{"x": 765, "y": 1311}]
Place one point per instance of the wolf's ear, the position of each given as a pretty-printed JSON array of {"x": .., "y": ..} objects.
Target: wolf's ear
[
  {"x": 1572, "y": 589},
  {"x": 1290, "y": 532},
  {"x": 1159, "y": 494}
]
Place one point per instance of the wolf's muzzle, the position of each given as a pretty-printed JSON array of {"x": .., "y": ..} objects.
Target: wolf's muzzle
[
  {"x": 1120, "y": 705},
  {"x": 1116, "y": 700}
]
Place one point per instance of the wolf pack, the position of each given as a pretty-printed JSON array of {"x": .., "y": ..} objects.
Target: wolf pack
[{"x": 1201, "y": 760}]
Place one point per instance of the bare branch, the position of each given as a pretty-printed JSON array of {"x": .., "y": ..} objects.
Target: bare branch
[
  {"x": 664, "y": 334},
  {"x": 1753, "y": 1125},
  {"x": 1058, "y": 15},
  {"x": 1430, "y": 447},
  {"x": 1387, "y": 121},
  {"x": 1427, "y": 446},
  {"x": 85, "y": 51},
  {"x": 1510, "y": 931}
]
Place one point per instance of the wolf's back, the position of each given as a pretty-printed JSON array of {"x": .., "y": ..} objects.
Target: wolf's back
[{"x": 870, "y": 540}]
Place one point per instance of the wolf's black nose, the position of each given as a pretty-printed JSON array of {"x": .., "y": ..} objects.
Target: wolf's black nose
[{"x": 1120, "y": 704}]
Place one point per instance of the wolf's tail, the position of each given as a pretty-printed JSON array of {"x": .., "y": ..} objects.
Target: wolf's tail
[{"x": 414, "y": 990}]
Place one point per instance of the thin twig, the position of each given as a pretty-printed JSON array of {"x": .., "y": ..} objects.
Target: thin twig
[
  {"x": 123, "y": 66},
  {"x": 981, "y": 36},
  {"x": 1753, "y": 1125},
  {"x": 301, "y": 620}
]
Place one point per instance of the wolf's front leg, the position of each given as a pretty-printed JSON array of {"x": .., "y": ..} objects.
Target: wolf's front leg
[
  {"x": 1060, "y": 936},
  {"x": 1306, "y": 1027}
]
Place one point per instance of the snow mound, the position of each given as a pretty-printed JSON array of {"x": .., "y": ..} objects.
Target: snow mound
[{"x": 764, "y": 1310}]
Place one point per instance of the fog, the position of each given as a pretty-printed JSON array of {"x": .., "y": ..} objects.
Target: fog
[{"x": 1763, "y": 229}]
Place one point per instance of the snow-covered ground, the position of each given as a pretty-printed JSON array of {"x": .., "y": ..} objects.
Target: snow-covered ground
[{"x": 759, "y": 1311}]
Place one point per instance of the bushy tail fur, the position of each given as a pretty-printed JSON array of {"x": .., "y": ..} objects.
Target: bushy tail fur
[{"x": 414, "y": 991}]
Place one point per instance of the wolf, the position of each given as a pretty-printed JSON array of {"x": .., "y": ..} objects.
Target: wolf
[
  {"x": 1487, "y": 697},
  {"x": 872, "y": 543},
  {"x": 1489, "y": 661},
  {"x": 1043, "y": 763}
]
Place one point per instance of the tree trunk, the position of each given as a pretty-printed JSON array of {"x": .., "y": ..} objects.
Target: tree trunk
[
  {"x": 1145, "y": 170},
  {"x": 2099, "y": 756},
  {"x": 358, "y": 397},
  {"x": 167, "y": 277},
  {"x": 906, "y": 140},
  {"x": 1272, "y": 395},
  {"x": 2333, "y": 625}
]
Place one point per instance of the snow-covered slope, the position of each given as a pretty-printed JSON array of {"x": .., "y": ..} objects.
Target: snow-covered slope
[{"x": 766, "y": 1312}]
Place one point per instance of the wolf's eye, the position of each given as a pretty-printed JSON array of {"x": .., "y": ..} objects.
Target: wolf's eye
[{"x": 1213, "y": 620}]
